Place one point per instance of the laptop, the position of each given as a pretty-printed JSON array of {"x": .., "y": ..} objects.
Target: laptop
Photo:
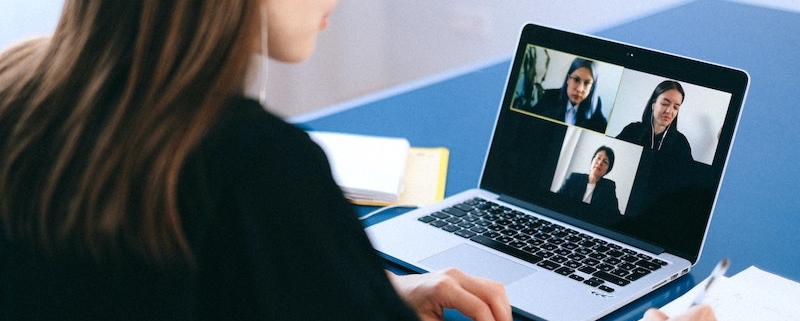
[{"x": 652, "y": 169}]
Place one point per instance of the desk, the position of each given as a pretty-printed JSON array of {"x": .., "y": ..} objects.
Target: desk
[{"x": 757, "y": 215}]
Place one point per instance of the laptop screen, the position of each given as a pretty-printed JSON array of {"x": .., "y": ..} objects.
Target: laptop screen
[{"x": 623, "y": 138}]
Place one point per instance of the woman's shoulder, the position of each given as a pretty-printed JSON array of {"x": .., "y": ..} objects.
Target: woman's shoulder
[
  {"x": 245, "y": 121},
  {"x": 631, "y": 131},
  {"x": 634, "y": 126},
  {"x": 608, "y": 182},
  {"x": 576, "y": 177},
  {"x": 246, "y": 136}
]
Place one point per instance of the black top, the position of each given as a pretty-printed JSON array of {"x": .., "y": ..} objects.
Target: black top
[
  {"x": 674, "y": 145},
  {"x": 273, "y": 235},
  {"x": 604, "y": 196},
  {"x": 553, "y": 105}
]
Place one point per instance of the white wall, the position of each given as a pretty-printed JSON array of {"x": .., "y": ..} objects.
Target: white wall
[
  {"x": 25, "y": 18},
  {"x": 372, "y": 45},
  {"x": 375, "y": 44}
]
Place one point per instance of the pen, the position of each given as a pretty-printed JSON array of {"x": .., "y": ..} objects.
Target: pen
[{"x": 718, "y": 272}]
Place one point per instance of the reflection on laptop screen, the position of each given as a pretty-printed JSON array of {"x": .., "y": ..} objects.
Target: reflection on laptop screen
[{"x": 615, "y": 138}]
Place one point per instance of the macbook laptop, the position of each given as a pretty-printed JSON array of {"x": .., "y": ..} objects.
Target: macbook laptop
[{"x": 599, "y": 183}]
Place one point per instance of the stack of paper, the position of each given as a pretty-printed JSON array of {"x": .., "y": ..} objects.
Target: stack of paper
[
  {"x": 366, "y": 168},
  {"x": 377, "y": 170}
]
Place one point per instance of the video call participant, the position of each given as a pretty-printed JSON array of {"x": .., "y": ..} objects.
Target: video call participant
[
  {"x": 594, "y": 188},
  {"x": 658, "y": 129},
  {"x": 576, "y": 102}
]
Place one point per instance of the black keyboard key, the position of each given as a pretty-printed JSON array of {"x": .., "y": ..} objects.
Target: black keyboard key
[
  {"x": 615, "y": 253},
  {"x": 564, "y": 271},
  {"x": 576, "y": 257},
  {"x": 465, "y": 233},
  {"x": 454, "y": 211},
  {"x": 549, "y": 247},
  {"x": 550, "y": 265},
  {"x": 492, "y": 234},
  {"x": 515, "y": 252},
  {"x": 451, "y": 228},
  {"x": 652, "y": 266},
  {"x": 611, "y": 278},
  {"x": 479, "y": 229},
  {"x": 591, "y": 261},
  {"x": 440, "y": 215},
  {"x": 576, "y": 277},
  {"x": 629, "y": 258},
  {"x": 545, "y": 254},
  {"x": 508, "y": 232},
  {"x": 562, "y": 252},
  {"x": 637, "y": 273},
  {"x": 593, "y": 282},
  {"x": 438, "y": 223},
  {"x": 606, "y": 288},
  {"x": 426, "y": 219},
  {"x": 587, "y": 269},
  {"x": 619, "y": 272},
  {"x": 496, "y": 228},
  {"x": 597, "y": 256},
  {"x": 518, "y": 244},
  {"x": 522, "y": 237},
  {"x": 570, "y": 246},
  {"x": 560, "y": 234},
  {"x": 573, "y": 264},
  {"x": 601, "y": 248}
]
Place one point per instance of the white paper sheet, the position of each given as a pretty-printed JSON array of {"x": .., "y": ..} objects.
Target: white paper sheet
[{"x": 752, "y": 294}]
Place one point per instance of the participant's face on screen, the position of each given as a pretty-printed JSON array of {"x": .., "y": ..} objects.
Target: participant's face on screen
[
  {"x": 666, "y": 107},
  {"x": 600, "y": 164},
  {"x": 579, "y": 84}
]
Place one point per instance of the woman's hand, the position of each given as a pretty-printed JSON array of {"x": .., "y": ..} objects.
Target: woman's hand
[
  {"x": 429, "y": 293},
  {"x": 701, "y": 312}
]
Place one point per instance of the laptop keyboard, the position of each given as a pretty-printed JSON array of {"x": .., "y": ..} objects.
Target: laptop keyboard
[{"x": 565, "y": 251}]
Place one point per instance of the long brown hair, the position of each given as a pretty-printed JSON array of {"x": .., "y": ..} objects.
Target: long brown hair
[{"x": 97, "y": 120}]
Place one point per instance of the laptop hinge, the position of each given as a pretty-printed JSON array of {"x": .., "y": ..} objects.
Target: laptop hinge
[{"x": 637, "y": 243}]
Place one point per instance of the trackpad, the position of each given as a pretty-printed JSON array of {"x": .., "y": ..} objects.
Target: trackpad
[{"x": 478, "y": 262}]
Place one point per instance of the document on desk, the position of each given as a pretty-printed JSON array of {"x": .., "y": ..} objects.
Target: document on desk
[
  {"x": 366, "y": 168},
  {"x": 752, "y": 294}
]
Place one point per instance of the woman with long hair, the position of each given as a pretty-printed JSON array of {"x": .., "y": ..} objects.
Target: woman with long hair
[
  {"x": 658, "y": 129},
  {"x": 139, "y": 182}
]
